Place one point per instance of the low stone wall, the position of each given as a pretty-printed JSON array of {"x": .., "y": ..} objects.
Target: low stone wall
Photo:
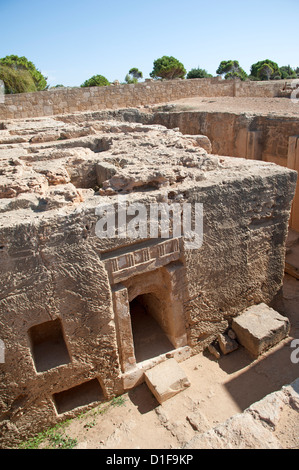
[{"x": 71, "y": 100}]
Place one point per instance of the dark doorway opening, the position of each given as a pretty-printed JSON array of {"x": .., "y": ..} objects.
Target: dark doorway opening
[{"x": 150, "y": 340}]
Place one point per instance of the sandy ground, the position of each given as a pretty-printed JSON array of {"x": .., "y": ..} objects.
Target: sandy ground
[
  {"x": 219, "y": 389},
  {"x": 264, "y": 106}
]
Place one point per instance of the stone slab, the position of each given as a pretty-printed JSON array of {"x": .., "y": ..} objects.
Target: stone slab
[
  {"x": 166, "y": 380},
  {"x": 259, "y": 328},
  {"x": 261, "y": 426},
  {"x": 241, "y": 431},
  {"x": 227, "y": 344}
]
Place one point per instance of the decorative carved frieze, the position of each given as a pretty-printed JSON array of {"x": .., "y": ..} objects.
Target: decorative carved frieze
[{"x": 136, "y": 260}]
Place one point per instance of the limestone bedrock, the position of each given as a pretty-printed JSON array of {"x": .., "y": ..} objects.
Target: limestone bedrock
[{"x": 57, "y": 295}]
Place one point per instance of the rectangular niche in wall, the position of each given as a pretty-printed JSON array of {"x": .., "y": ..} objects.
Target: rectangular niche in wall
[
  {"x": 81, "y": 395},
  {"x": 48, "y": 345}
]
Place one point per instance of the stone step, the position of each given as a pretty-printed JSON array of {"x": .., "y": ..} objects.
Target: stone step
[{"x": 166, "y": 380}]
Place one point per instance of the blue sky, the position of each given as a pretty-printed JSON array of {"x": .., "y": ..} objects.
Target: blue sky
[{"x": 70, "y": 40}]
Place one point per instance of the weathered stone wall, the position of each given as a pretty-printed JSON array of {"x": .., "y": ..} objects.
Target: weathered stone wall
[
  {"x": 63, "y": 280},
  {"x": 71, "y": 100},
  {"x": 228, "y": 132},
  {"x": 54, "y": 269},
  {"x": 293, "y": 163},
  {"x": 268, "y": 138},
  {"x": 260, "y": 89}
]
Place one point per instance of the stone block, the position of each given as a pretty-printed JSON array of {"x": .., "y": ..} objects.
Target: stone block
[
  {"x": 227, "y": 344},
  {"x": 104, "y": 171},
  {"x": 202, "y": 141},
  {"x": 259, "y": 328},
  {"x": 166, "y": 380},
  {"x": 214, "y": 351}
]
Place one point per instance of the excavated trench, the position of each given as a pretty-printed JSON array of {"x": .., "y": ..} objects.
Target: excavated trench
[
  {"x": 268, "y": 137},
  {"x": 230, "y": 133}
]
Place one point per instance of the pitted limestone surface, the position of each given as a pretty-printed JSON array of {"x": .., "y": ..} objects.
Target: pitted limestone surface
[{"x": 60, "y": 283}]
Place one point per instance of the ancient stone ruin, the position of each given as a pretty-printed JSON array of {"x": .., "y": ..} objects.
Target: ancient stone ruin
[{"x": 84, "y": 318}]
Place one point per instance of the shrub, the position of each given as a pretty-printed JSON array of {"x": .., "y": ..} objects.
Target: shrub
[
  {"x": 21, "y": 64},
  {"x": 198, "y": 73},
  {"x": 96, "y": 80},
  {"x": 287, "y": 72},
  {"x": 16, "y": 81}
]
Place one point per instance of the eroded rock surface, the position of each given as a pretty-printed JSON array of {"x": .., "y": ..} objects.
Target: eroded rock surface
[
  {"x": 261, "y": 426},
  {"x": 51, "y": 153}
]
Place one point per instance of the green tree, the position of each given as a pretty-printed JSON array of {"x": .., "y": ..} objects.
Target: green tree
[
  {"x": 198, "y": 73},
  {"x": 96, "y": 80},
  {"x": 297, "y": 71},
  {"x": 287, "y": 72},
  {"x": 231, "y": 69},
  {"x": 256, "y": 71},
  {"x": 20, "y": 71},
  {"x": 133, "y": 76},
  {"x": 16, "y": 81},
  {"x": 168, "y": 67},
  {"x": 241, "y": 74},
  {"x": 265, "y": 72}
]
